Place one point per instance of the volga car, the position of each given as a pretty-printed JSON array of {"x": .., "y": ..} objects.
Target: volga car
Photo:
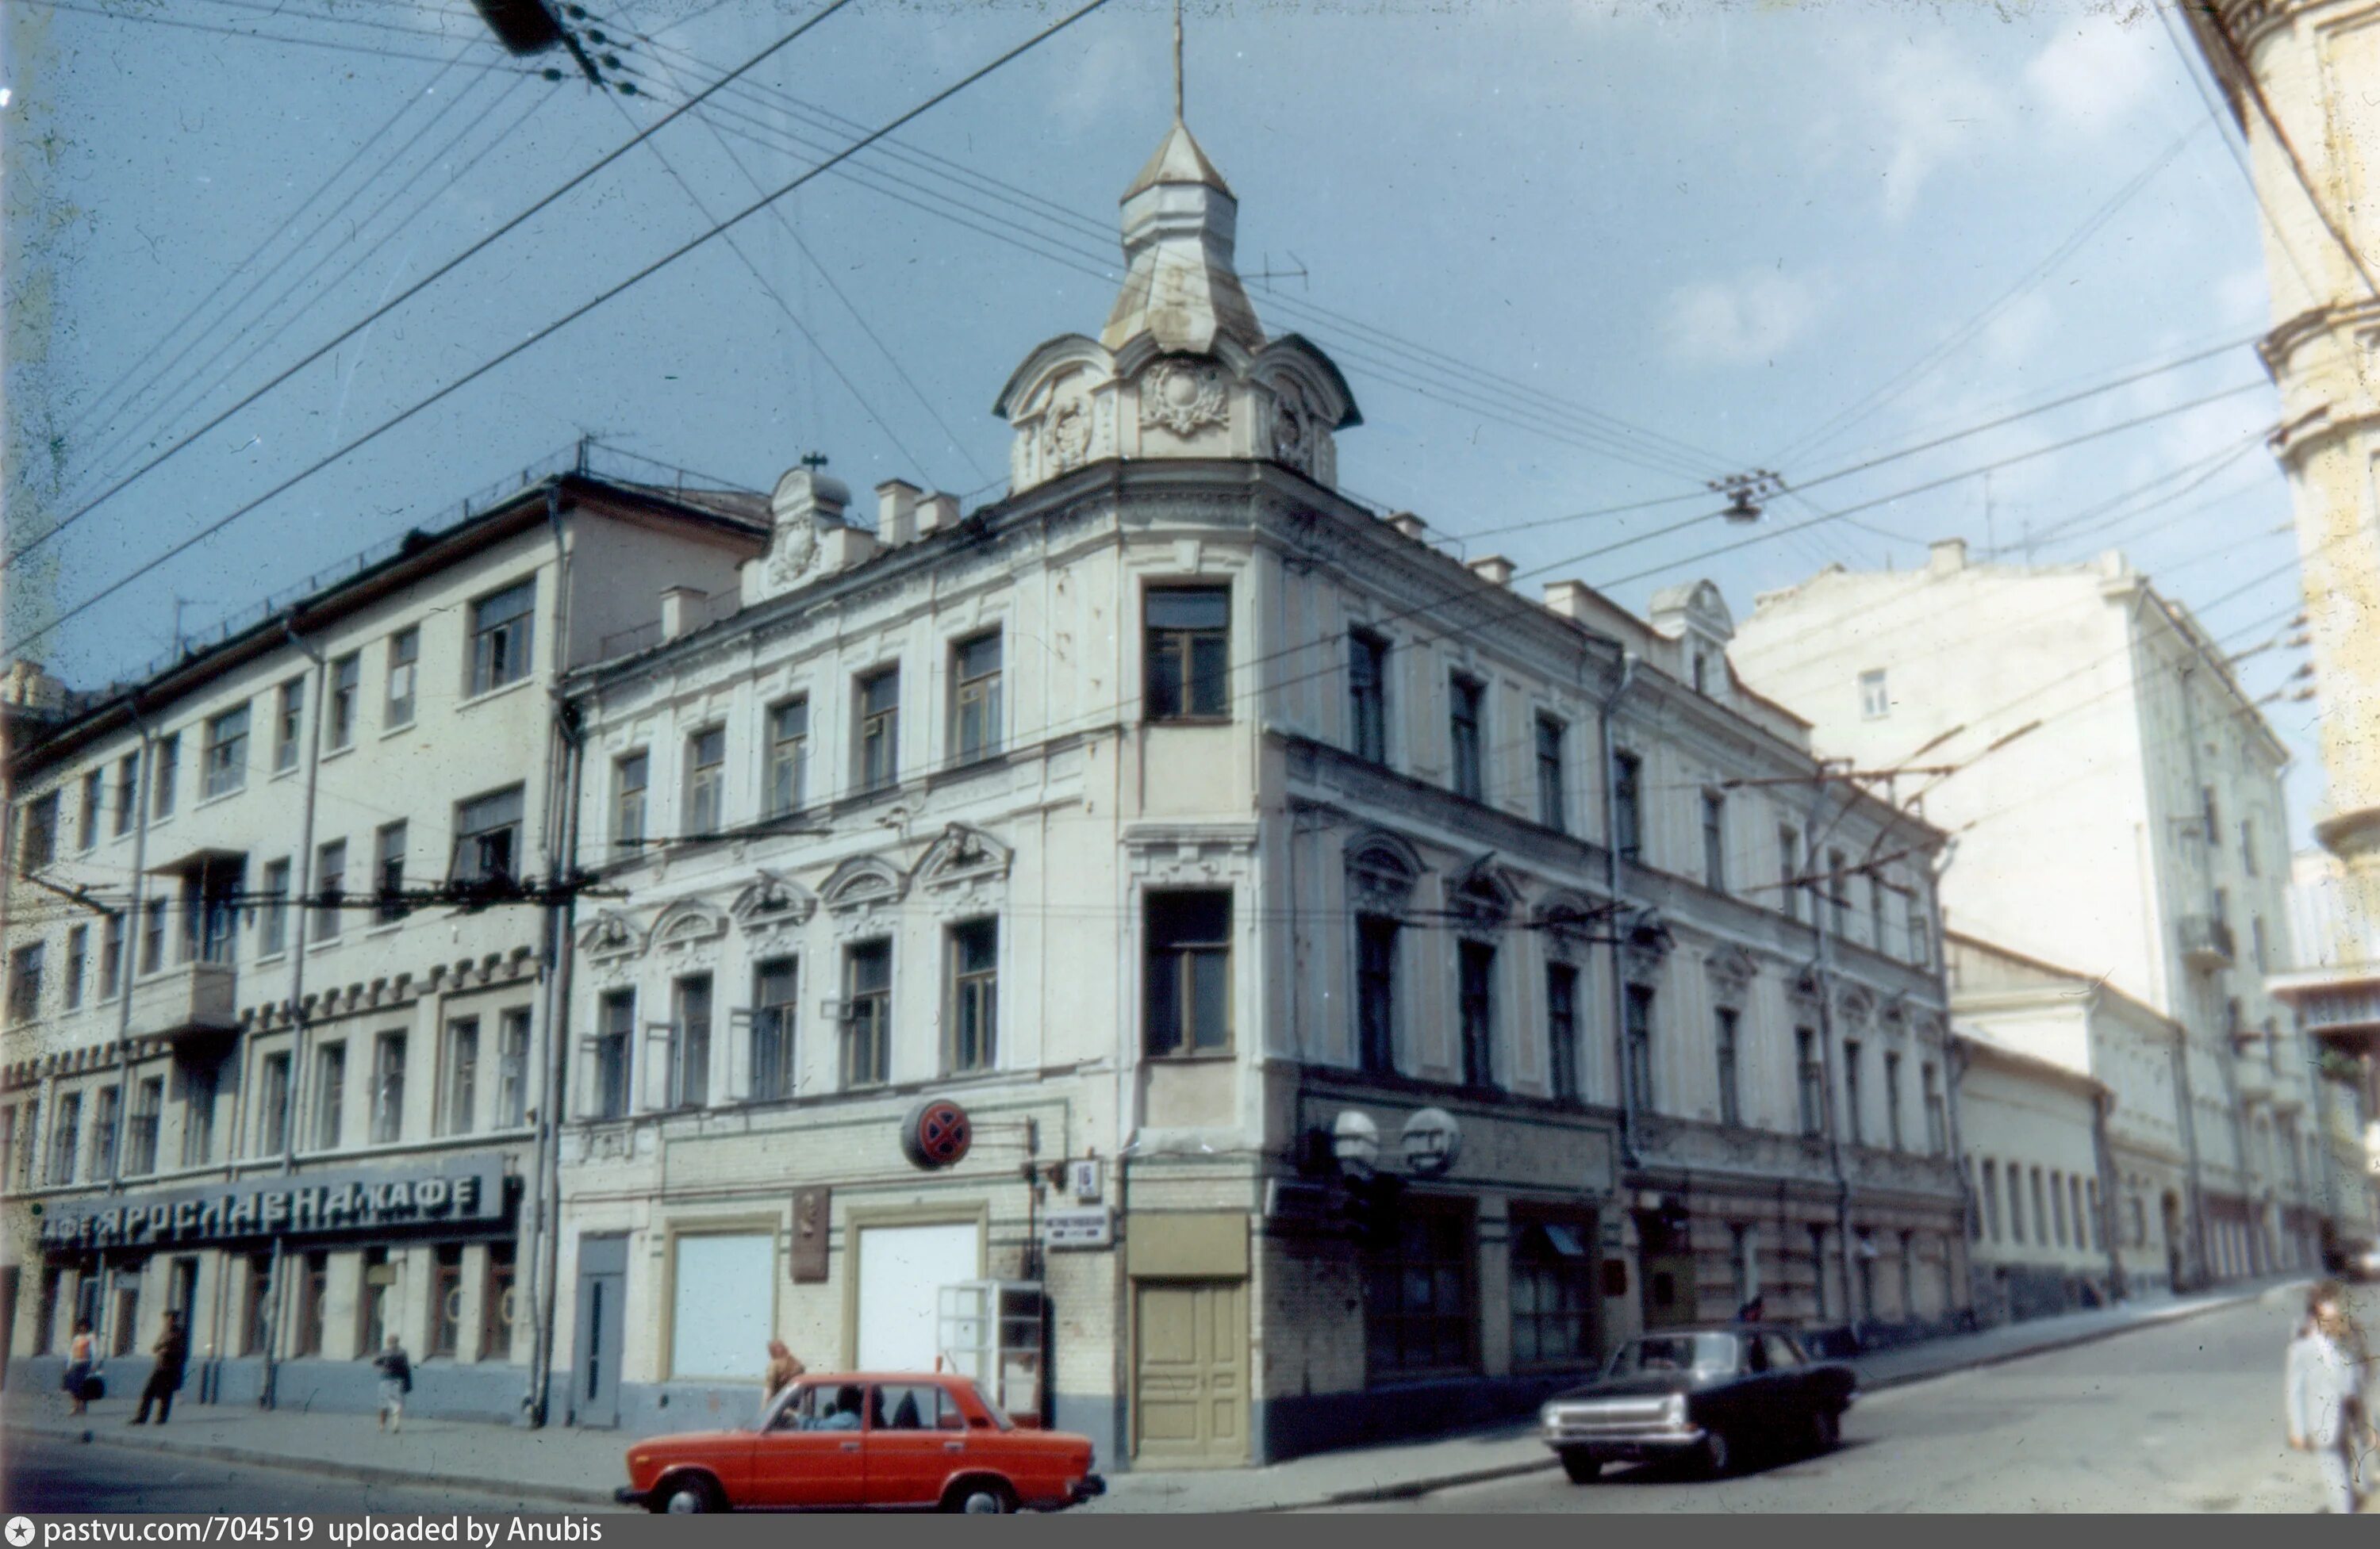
[
  {"x": 867, "y": 1442},
  {"x": 1703, "y": 1395}
]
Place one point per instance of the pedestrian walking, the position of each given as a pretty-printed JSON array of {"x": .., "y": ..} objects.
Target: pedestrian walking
[
  {"x": 395, "y": 1381},
  {"x": 80, "y": 1352},
  {"x": 784, "y": 1367},
  {"x": 2327, "y": 1412},
  {"x": 173, "y": 1352}
]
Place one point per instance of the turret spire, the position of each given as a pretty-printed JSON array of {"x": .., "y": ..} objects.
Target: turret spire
[{"x": 1177, "y": 61}]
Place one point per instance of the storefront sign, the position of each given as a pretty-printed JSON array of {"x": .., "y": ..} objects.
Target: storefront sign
[
  {"x": 457, "y": 1191},
  {"x": 1432, "y": 1142},
  {"x": 1091, "y": 1226}
]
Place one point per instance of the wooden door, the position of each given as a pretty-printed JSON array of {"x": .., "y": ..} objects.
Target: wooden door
[{"x": 1190, "y": 1392}]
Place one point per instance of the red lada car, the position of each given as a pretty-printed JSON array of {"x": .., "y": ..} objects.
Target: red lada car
[{"x": 863, "y": 1442}]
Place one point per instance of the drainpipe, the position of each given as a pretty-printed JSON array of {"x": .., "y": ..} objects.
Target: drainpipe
[
  {"x": 1953, "y": 1066},
  {"x": 544, "y": 1260},
  {"x": 2230, "y": 1043},
  {"x": 2102, "y": 1103},
  {"x": 1611, "y": 881},
  {"x": 268, "y": 1396},
  {"x": 127, "y": 968},
  {"x": 1822, "y": 972}
]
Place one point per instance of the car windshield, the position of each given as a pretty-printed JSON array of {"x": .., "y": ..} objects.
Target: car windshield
[
  {"x": 1702, "y": 1354},
  {"x": 999, "y": 1415}
]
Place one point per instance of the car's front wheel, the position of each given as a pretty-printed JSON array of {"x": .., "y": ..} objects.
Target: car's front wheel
[
  {"x": 1826, "y": 1430},
  {"x": 688, "y": 1493},
  {"x": 1718, "y": 1455},
  {"x": 1582, "y": 1468},
  {"x": 981, "y": 1496}
]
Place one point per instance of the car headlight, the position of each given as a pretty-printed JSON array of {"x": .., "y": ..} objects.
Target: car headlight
[
  {"x": 1673, "y": 1413},
  {"x": 1546, "y": 1416}
]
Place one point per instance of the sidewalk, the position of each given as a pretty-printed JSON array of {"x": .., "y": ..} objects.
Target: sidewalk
[{"x": 564, "y": 1468}]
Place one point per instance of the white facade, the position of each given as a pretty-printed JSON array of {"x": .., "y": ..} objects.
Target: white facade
[
  {"x": 2029, "y": 1129},
  {"x": 2118, "y": 805}
]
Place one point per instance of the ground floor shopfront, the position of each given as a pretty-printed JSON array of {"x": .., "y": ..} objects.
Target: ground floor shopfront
[{"x": 289, "y": 1283}]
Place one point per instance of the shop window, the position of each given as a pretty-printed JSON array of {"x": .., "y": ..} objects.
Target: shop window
[
  {"x": 723, "y": 1305},
  {"x": 447, "y": 1300},
  {"x": 256, "y": 1306},
  {"x": 45, "y": 1311},
  {"x": 373, "y": 1301},
  {"x": 1553, "y": 1292},
  {"x": 498, "y": 1308},
  {"x": 1418, "y": 1294},
  {"x": 126, "y": 1325},
  {"x": 313, "y": 1291}
]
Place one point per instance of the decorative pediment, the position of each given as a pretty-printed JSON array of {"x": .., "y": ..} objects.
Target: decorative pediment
[
  {"x": 1382, "y": 871},
  {"x": 1645, "y": 945},
  {"x": 1483, "y": 893},
  {"x": 1856, "y": 1004},
  {"x": 1731, "y": 969},
  {"x": 862, "y": 882},
  {"x": 961, "y": 857},
  {"x": 612, "y": 933},
  {"x": 1568, "y": 920},
  {"x": 773, "y": 899},
  {"x": 688, "y": 921}
]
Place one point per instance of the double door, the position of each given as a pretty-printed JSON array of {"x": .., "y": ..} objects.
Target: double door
[{"x": 1190, "y": 1390}]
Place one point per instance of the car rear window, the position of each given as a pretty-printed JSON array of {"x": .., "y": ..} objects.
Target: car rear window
[
  {"x": 998, "y": 1417},
  {"x": 1703, "y": 1353}
]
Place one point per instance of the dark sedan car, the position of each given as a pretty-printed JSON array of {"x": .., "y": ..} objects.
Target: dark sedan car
[{"x": 1705, "y": 1395}]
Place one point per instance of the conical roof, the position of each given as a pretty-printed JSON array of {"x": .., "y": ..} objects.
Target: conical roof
[{"x": 1178, "y": 160}]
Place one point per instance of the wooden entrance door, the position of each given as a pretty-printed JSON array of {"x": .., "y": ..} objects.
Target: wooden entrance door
[{"x": 1190, "y": 1392}]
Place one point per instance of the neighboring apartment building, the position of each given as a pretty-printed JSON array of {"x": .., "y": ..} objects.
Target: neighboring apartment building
[
  {"x": 1195, "y": 827},
  {"x": 253, "y": 1075},
  {"x": 2332, "y": 981},
  {"x": 2030, "y": 1129},
  {"x": 2116, "y": 799}
]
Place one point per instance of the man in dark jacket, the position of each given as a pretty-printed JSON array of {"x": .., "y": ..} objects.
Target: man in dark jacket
[{"x": 173, "y": 1352}]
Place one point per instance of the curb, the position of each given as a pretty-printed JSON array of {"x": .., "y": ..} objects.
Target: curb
[{"x": 362, "y": 1473}]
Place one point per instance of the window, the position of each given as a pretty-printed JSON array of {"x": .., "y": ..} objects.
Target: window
[
  {"x": 347, "y": 691},
  {"x": 404, "y": 655},
  {"x": 390, "y": 876},
  {"x": 501, "y": 632},
  {"x": 867, "y": 1018},
  {"x": 1921, "y": 938},
  {"x": 2256, "y": 937},
  {"x": 487, "y": 837},
  {"x": 629, "y": 774},
  {"x": 706, "y": 770},
  {"x": 2207, "y": 814},
  {"x": 1627, "y": 806},
  {"x": 290, "y": 711},
  {"x": 614, "y": 1029},
  {"x": 1189, "y": 653},
  {"x": 1551, "y": 805},
  {"x": 1554, "y": 1289},
  {"x": 1813, "y": 1082},
  {"x": 272, "y": 1106},
  {"x": 256, "y": 1306},
  {"x": 689, "y": 1046},
  {"x": 1908, "y": 1274},
  {"x": 313, "y": 1291},
  {"x": 1562, "y": 1030},
  {"x": 1818, "y": 1270},
  {"x": 447, "y": 1300},
  {"x": 1189, "y": 970},
  {"x": 2040, "y": 1211},
  {"x": 2247, "y": 845},
  {"x": 1892, "y": 1099},
  {"x": 974, "y": 703},
  {"x": 1477, "y": 964},
  {"x": 774, "y": 988},
  {"x": 1701, "y": 671},
  {"x": 789, "y": 756},
  {"x": 1788, "y": 870},
  {"x": 1638, "y": 1026},
  {"x": 512, "y": 1069},
  {"x": 1375, "y": 995},
  {"x": 78, "y": 963},
  {"x": 1875, "y": 910},
  {"x": 1714, "y": 841},
  {"x": 227, "y": 765},
  {"x": 104, "y": 1116},
  {"x": 24, "y": 982},
  {"x": 1464, "y": 697},
  {"x": 330, "y": 887},
  {"x": 153, "y": 918},
  {"x": 127, "y": 793},
  {"x": 1852, "y": 1126},
  {"x": 164, "y": 759},
  {"x": 273, "y": 918},
  {"x": 1744, "y": 1262},
  {"x": 148, "y": 1112},
  {"x": 66, "y": 1138},
  {"x": 40, "y": 844},
  {"x": 1730, "y": 1091},
  {"x": 879, "y": 728},
  {"x": 1839, "y": 893},
  {"x": 496, "y": 1305},
  {"x": 2082, "y": 1218},
  {"x": 1937, "y": 1126},
  {"x": 200, "y": 1083},
  {"x": 975, "y": 996},
  {"x": 388, "y": 1088},
  {"x": 372, "y": 1299},
  {"x": 110, "y": 954},
  {"x": 95, "y": 796},
  {"x": 1418, "y": 1294},
  {"x": 2057, "y": 1208},
  {"x": 1367, "y": 696},
  {"x": 1875, "y": 705},
  {"x": 1991, "y": 1199},
  {"x": 459, "y": 1107}
]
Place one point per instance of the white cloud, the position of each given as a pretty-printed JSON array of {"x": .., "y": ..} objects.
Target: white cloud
[
  {"x": 1933, "y": 106},
  {"x": 1753, "y": 318},
  {"x": 2095, "y": 72}
]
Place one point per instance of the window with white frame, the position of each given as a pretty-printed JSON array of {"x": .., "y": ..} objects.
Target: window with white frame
[
  {"x": 1874, "y": 702},
  {"x": 388, "y": 1088},
  {"x": 689, "y": 1047},
  {"x": 389, "y": 875},
  {"x": 512, "y": 1069},
  {"x": 879, "y": 728},
  {"x": 459, "y": 1085},
  {"x": 789, "y": 756},
  {"x": 706, "y": 781},
  {"x": 501, "y": 632},
  {"x": 774, "y": 988},
  {"x": 868, "y": 1014},
  {"x": 288, "y": 716},
  {"x": 94, "y": 783},
  {"x": 488, "y": 837},
  {"x": 614, "y": 1037},
  {"x": 974, "y": 697},
  {"x": 975, "y": 996},
  {"x": 404, "y": 657},
  {"x": 631, "y": 772},
  {"x": 330, "y": 887},
  {"x": 165, "y": 762},
  {"x": 347, "y": 692}
]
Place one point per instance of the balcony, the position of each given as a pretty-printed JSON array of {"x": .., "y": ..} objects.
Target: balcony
[
  {"x": 2252, "y": 1075},
  {"x": 196, "y": 1000},
  {"x": 2206, "y": 941}
]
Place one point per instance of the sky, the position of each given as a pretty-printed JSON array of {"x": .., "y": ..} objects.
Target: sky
[{"x": 1571, "y": 258}]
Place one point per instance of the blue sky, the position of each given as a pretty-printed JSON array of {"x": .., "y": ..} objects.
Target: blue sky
[{"x": 1570, "y": 257}]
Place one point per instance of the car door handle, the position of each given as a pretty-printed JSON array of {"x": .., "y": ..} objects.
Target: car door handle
[
  {"x": 954, "y": 1446},
  {"x": 851, "y": 1446}
]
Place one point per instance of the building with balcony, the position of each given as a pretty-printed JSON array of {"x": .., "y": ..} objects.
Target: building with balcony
[
  {"x": 276, "y": 1047},
  {"x": 1370, "y": 991},
  {"x": 2116, "y": 800}
]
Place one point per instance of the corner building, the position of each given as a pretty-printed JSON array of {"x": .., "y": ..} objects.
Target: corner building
[{"x": 1192, "y": 825}]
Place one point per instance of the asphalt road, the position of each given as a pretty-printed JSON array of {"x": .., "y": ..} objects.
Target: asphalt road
[
  {"x": 46, "y": 1474},
  {"x": 2182, "y": 1418}
]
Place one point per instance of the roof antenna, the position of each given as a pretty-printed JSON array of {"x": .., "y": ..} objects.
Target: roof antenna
[{"x": 1177, "y": 61}]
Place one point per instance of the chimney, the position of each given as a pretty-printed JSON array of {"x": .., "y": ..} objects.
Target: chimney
[
  {"x": 937, "y": 514},
  {"x": 1567, "y": 597},
  {"x": 1494, "y": 569},
  {"x": 1408, "y": 524},
  {"x": 1944, "y": 555},
  {"x": 847, "y": 546},
  {"x": 681, "y": 610},
  {"x": 896, "y": 512}
]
